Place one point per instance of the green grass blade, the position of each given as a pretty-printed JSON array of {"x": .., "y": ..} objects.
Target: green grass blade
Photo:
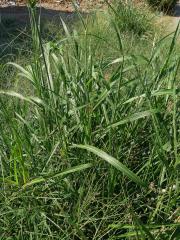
[
  {"x": 61, "y": 174},
  {"x": 133, "y": 117},
  {"x": 114, "y": 162},
  {"x": 30, "y": 99}
]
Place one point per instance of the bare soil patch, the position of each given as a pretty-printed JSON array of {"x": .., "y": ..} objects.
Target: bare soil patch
[
  {"x": 61, "y": 5},
  {"x": 50, "y": 9}
]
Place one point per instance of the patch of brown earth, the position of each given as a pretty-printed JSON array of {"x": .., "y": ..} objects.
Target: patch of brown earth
[
  {"x": 50, "y": 9},
  {"x": 61, "y": 5}
]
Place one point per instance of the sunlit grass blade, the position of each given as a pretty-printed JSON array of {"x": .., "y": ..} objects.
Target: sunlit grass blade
[
  {"x": 133, "y": 117},
  {"x": 61, "y": 174},
  {"x": 114, "y": 162},
  {"x": 30, "y": 99}
]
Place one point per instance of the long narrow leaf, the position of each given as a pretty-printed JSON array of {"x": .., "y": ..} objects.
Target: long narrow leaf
[
  {"x": 61, "y": 174},
  {"x": 114, "y": 162},
  {"x": 133, "y": 117},
  {"x": 30, "y": 99}
]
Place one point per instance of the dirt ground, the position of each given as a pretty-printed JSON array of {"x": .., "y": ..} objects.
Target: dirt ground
[
  {"x": 53, "y": 9},
  {"x": 61, "y": 5},
  {"x": 50, "y": 9}
]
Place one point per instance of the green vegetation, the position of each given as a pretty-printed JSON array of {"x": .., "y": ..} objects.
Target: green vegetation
[{"x": 89, "y": 131}]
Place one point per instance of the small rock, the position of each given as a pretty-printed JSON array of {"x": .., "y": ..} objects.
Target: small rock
[{"x": 11, "y": 3}]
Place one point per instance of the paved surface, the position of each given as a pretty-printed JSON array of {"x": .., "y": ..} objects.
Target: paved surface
[
  {"x": 170, "y": 22},
  {"x": 20, "y": 14},
  {"x": 176, "y": 14},
  {"x": 177, "y": 10}
]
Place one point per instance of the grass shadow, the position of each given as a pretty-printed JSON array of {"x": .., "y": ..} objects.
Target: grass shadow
[{"x": 15, "y": 25}]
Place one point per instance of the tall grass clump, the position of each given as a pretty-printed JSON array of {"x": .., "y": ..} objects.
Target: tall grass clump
[
  {"x": 90, "y": 149},
  {"x": 130, "y": 18}
]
